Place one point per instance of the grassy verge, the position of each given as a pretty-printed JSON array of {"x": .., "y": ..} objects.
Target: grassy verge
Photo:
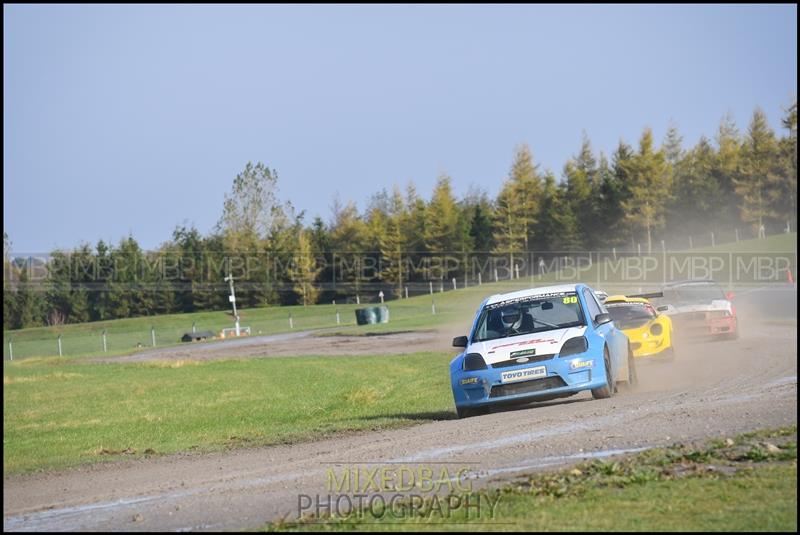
[
  {"x": 59, "y": 414},
  {"x": 744, "y": 484}
]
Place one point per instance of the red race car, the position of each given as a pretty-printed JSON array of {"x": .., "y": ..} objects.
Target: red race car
[{"x": 700, "y": 308}]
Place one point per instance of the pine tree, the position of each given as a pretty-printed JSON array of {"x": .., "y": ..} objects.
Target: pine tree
[
  {"x": 757, "y": 170},
  {"x": 393, "y": 244},
  {"x": 304, "y": 270},
  {"x": 28, "y": 299},
  {"x": 726, "y": 168},
  {"x": 620, "y": 188},
  {"x": 784, "y": 196},
  {"x": 446, "y": 229},
  {"x": 696, "y": 192},
  {"x": 649, "y": 189},
  {"x": 580, "y": 175},
  {"x": 672, "y": 147},
  {"x": 478, "y": 210},
  {"x": 517, "y": 206},
  {"x": 556, "y": 227},
  {"x": 349, "y": 236}
]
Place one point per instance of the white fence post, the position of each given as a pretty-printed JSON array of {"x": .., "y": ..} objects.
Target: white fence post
[
  {"x": 10, "y": 350},
  {"x": 59, "y": 345},
  {"x": 430, "y": 283},
  {"x": 406, "y": 292},
  {"x": 105, "y": 345},
  {"x": 454, "y": 283},
  {"x": 291, "y": 322},
  {"x": 338, "y": 319},
  {"x": 153, "y": 335},
  {"x": 479, "y": 278}
]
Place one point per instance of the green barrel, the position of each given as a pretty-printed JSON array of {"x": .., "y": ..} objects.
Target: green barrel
[{"x": 366, "y": 316}]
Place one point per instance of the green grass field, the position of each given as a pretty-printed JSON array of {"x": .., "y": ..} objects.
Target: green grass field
[
  {"x": 59, "y": 414},
  {"x": 723, "y": 486},
  {"x": 452, "y": 306}
]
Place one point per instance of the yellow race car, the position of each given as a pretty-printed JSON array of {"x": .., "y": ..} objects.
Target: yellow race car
[{"x": 649, "y": 332}]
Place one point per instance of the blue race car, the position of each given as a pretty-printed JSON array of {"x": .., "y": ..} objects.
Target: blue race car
[{"x": 539, "y": 344}]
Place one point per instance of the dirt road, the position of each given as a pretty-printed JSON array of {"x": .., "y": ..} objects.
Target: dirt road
[
  {"x": 295, "y": 344},
  {"x": 713, "y": 389}
]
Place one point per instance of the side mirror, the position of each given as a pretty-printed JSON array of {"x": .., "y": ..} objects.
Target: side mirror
[
  {"x": 662, "y": 308},
  {"x": 602, "y": 318},
  {"x": 460, "y": 341},
  {"x": 729, "y": 296}
]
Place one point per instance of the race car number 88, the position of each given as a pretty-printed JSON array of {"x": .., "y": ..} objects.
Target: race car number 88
[{"x": 571, "y": 300}]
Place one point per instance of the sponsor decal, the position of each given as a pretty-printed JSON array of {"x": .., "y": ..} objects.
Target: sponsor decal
[
  {"x": 523, "y": 374},
  {"x": 532, "y": 298},
  {"x": 523, "y": 353},
  {"x": 577, "y": 364},
  {"x": 469, "y": 381}
]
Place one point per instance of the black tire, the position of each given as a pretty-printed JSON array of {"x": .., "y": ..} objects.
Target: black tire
[
  {"x": 633, "y": 377},
  {"x": 607, "y": 390}
]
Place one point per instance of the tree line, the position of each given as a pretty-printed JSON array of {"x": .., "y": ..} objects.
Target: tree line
[{"x": 639, "y": 193}]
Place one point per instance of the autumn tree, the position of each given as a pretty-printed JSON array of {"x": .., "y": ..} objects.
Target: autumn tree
[{"x": 304, "y": 270}]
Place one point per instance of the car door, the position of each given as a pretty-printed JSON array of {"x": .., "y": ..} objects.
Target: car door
[{"x": 608, "y": 331}]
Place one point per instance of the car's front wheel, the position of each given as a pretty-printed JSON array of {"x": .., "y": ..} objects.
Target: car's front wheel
[{"x": 607, "y": 390}]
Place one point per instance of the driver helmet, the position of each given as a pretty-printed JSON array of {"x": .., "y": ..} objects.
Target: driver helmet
[{"x": 511, "y": 317}]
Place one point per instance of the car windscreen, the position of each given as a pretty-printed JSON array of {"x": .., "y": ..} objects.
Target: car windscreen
[
  {"x": 526, "y": 315},
  {"x": 630, "y": 315},
  {"x": 693, "y": 294}
]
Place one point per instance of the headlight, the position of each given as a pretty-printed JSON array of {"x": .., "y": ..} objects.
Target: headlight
[
  {"x": 656, "y": 329},
  {"x": 474, "y": 361},
  {"x": 574, "y": 346}
]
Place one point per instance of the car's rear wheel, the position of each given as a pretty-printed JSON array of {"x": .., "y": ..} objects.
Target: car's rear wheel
[
  {"x": 607, "y": 390},
  {"x": 633, "y": 377}
]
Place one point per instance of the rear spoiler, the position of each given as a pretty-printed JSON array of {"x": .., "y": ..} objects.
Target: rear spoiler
[{"x": 648, "y": 296}]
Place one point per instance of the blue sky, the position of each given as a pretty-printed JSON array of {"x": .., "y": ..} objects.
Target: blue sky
[{"x": 133, "y": 119}]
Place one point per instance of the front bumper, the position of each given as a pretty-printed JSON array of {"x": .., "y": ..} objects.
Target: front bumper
[
  {"x": 562, "y": 377},
  {"x": 650, "y": 347},
  {"x": 704, "y": 324}
]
